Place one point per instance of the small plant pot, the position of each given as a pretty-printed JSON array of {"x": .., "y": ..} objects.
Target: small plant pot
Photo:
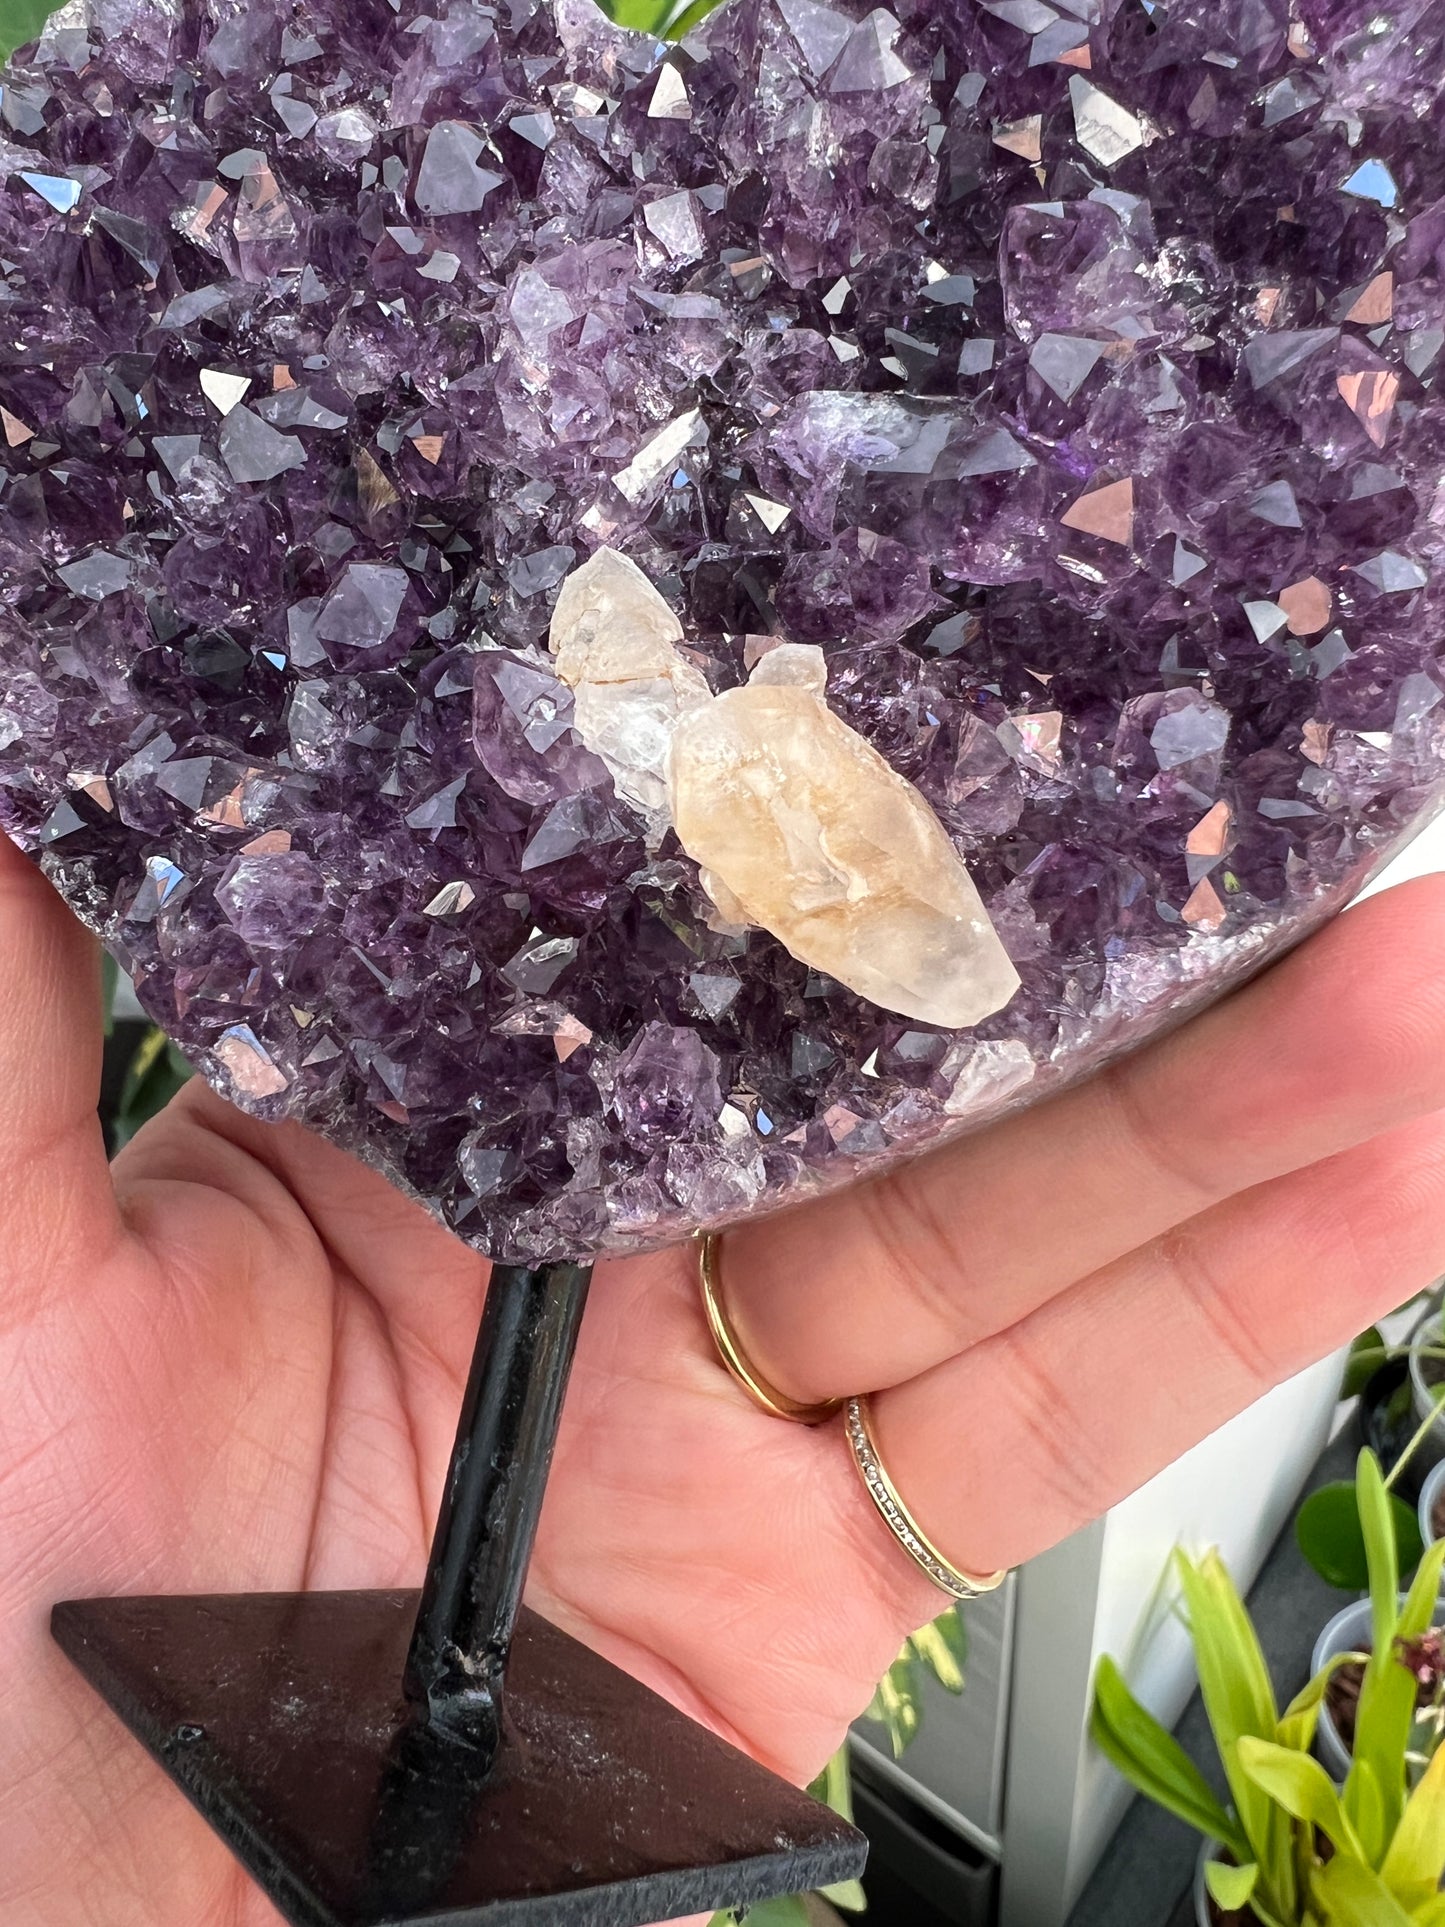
[
  {"x": 1432, "y": 1506},
  {"x": 1423, "y": 1389},
  {"x": 1348, "y": 1632}
]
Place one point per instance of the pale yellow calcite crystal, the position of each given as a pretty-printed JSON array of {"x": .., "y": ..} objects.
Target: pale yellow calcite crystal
[
  {"x": 799, "y": 825},
  {"x": 795, "y": 821},
  {"x": 614, "y": 640}
]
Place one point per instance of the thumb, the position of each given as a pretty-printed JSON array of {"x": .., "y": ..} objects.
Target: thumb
[{"x": 57, "y": 1209}]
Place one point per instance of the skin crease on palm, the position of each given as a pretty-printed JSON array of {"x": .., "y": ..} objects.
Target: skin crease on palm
[{"x": 233, "y": 1361}]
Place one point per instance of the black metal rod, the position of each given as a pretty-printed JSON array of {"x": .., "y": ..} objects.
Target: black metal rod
[{"x": 488, "y": 1520}]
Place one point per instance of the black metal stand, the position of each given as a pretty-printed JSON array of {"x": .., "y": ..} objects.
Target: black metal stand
[
  {"x": 493, "y": 1500},
  {"x": 378, "y": 1759}
]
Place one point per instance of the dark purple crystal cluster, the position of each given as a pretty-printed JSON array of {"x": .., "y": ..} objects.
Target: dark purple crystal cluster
[{"x": 1070, "y": 370}]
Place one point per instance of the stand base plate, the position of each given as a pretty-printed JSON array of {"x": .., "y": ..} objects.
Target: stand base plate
[{"x": 281, "y": 1717}]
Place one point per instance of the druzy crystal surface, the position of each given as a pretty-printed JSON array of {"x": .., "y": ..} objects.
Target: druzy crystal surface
[{"x": 1067, "y": 371}]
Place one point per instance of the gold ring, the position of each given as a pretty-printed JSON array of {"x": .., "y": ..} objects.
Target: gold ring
[
  {"x": 901, "y": 1522},
  {"x": 767, "y": 1397}
]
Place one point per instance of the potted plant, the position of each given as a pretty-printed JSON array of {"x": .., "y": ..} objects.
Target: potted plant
[
  {"x": 1343, "y": 1649},
  {"x": 1330, "y": 1534},
  {"x": 1290, "y": 1848}
]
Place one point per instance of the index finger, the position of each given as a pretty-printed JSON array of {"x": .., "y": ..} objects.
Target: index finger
[{"x": 57, "y": 1207}]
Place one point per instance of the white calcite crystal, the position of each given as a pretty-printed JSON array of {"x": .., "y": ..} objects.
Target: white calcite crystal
[
  {"x": 799, "y": 825},
  {"x": 796, "y": 822},
  {"x": 614, "y": 640},
  {"x": 793, "y": 665}
]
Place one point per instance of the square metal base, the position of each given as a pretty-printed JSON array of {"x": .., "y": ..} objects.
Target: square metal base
[{"x": 281, "y": 1717}]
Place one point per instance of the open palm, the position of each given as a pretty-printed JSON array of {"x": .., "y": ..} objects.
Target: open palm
[{"x": 233, "y": 1362}]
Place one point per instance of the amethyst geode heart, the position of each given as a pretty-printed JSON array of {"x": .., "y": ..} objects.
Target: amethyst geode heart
[{"x": 1069, "y": 370}]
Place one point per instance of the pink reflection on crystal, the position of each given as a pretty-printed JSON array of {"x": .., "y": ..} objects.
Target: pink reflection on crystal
[
  {"x": 1210, "y": 835},
  {"x": 1204, "y": 909},
  {"x": 1307, "y": 606},
  {"x": 570, "y": 1036},
  {"x": 1106, "y": 512},
  {"x": 249, "y": 1065},
  {"x": 841, "y": 1122},
  {"x": 1374, "y": 305},
  {"x": 1370, "y": 396}
]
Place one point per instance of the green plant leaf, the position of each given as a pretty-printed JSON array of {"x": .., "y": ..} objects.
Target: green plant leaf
[
  {"x": 1298, "y": 1783},
  {"x": 1331, "y": 1537},
  {"x": 937, "y": 1652},
  {"x": 692, "y": 17},
  {"x": 1350, "y": 1894},
  {"x": 1154, "y": 1763},
  {"x": 1230, "y": 1887},
  {"x": 1386, "y": 1710},
  {"x": 646, "y": 16},
  {"x": 1381, "y": 1720},
  {"x": 846, "y": 1895},
  {"x": 1418, "y": 1610},
  {"x": 790, "y": 1912},
  {"x": 156, "y": 1072},
  {"x": 1416, "y": 1859},
  {"x": 1431, "y": 1913},
  {"x": 1239, "y": 1699},
  {"x": 109, "y": 978},
  {"x": 1368, "y": 1353},
  {"x": 834, "y": 1785},
  {"x": 667, "y": 19},
  {"x": 895, "y": 1706},
  {"x": 1366, "y": 1809},
  {"x": 21, "y": 21},
  {"x": 1427, "y": 1424},
  {"x": 1377, "y": 1528},
  {"x": 943, "y": 1649}
]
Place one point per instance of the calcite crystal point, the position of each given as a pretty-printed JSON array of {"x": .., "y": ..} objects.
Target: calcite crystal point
[
  {"x": 796, "y": 822},
  {"x": 614, "y": 639},
  {"x": 799, "y": 823},
  {"x": 1069, "y": 375}
]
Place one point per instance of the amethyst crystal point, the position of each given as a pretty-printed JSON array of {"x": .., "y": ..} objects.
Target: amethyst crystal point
[{"x": 1071, "y": 378}]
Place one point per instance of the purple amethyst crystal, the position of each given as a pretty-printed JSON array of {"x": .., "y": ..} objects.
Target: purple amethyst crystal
[{"x": 1070, "y": 372}]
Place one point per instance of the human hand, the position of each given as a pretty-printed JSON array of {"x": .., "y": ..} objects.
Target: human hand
[{"x": 233, "y": 1361}]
